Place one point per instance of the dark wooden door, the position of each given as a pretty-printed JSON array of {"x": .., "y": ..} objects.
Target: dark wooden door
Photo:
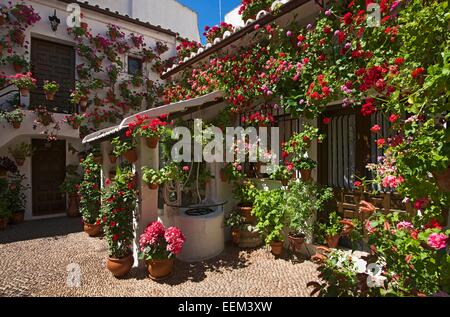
[
  {"x": 53, "y": 62},
  {"x": 48, "y": 173}
]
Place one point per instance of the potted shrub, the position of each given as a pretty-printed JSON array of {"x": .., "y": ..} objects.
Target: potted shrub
[
  {"x": 151, "y": 129},
  {"x": 17, "y": 198},
  {"x": 245, "y": 192},
  {"x": 90, "y": 195},
  {"x": 305, "y": 166},
  {"x": 20, "y": 152},
  {"x": 268, "y": 209},
  {"x": 19, "y": 63},
  {"x": 125, "y": 147},
  {"x": 24, "y": 83},
  {"x": 15, "y": 118},
  {"x": 302, "y": 202},
  {"x": 283, "y": 174},
  {"x": 70, "y": 186},
  {"x": 235, "y": 222},
  {"x": 158, "y": 246},
  {"x": 332, "y": 229},
  {"x": 50, "y": 89},
  {"x": 153, "y": 178},
  {"x": 117, "y": 212}
]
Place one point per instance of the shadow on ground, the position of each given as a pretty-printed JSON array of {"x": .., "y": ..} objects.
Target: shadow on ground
[{"x": 44, "y": 228}]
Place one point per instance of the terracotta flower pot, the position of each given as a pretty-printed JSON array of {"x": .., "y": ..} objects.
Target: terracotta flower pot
[
  {"x": 112, "y": 159},
  {"x": 17, "y": 217},
  {"x": 19, "y": 162},
  {"x": 306, "y": 175},
  {"x": 120, "y": 267},
  {"x": 18, "y": 68},
  {"x": 235, "y": 235},
  {"x": 50, "y": 96},
  {"x": 284, "y": 182},
  {"x": 75, "y": 126},
  {"x": 24, "y": 92},
  {"x": 131, "y": 156},
  {"x": 296, "y": 242},
  {"x": 153, "y": 186},
  {"x": 158, "y": 269},
  {"x": 3, "y": 223},
  {"x": 152, "y": 142},
  {"x": 246, "y": 212},
  {"x": 276, "y": 247},
  {"x": 16, "y": 125},
  {"x": 333, "y": 241},
  {"x": 92, "y": 230},
  {"x": 443, "y": 180},
  {"x": 83, "y": 105},
  {"x": 73, "y": 211}
]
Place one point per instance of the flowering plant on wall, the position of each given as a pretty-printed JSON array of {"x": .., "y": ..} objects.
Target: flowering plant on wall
[
  {"x": 217, "y": 31},
  {"x": 15, "y": 117},
  {"x": 114, "y": 32},
  {"x": 25, "y": 82},
  {"x": 119, "y": 199},
  {"x": 250, "y": 8},
  {"x": 137, "y": 39},
  {"x": 161, "y": 48},
  {"x": 75, "y": 120},
  {"x": 185, "y": 48},
  {"x": 258, "y": 119},
  {"x": 159, "y": 243}
]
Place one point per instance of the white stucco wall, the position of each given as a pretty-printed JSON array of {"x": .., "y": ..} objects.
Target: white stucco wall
[
  {"x": 169, "y": 14},
  {"x": 234, "y": 18}
]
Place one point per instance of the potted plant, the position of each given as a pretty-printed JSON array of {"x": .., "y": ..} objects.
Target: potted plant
[
  {"x": 153, "y": 178},
  {"x": 283, "y": 174},
  {"x": 148, "y": 55},
  {"x": 305, "y": 165},
  {"x": 250, "y": 8},
  {"x": 79, "y": 97},
  {"x": 137, "y": 80},
  {"x": 158, "y": 246},
  {"x": 125, "y": 147},
  {"x": 151, "y": 129},
  {"x": 268, "y": 209},
  {"x": 75, "y": 120},
  {"x": 114, "y": 32},
  {"x": 20, "y": 152},
  {"x": 118, "y": 204},
  {"x": 235, "y": 221},
  {"x": 302, "y": 202},
  {"x": 50, "y": 89},
  {"x": 245, "y": 192},
  {"x": 90, "y": 195},
  {"x": 161, "y": 48},
  {"x": 15, "y": 118},
  {"x": 44, "y": 116},
  {"x": 24, "y": 83},
  {"x": 19, "y": 63},
  {"x": 332, "y": 229},
  {"x": 17, "y": 198},
  {"x": 70, "y": 186},
  {"x": 217, "y": 31},
  {"x": 7, "y": 165}
]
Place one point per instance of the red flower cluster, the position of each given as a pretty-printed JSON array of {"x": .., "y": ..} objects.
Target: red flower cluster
[
  {"x": 186, "y": 48},
  {"x": 258, "y": 118},
  {"x": 217, "y": 31},
  {"x": 368, "y": 108},
  {"x": 157, "y": 237},
  {"x": 323, "y": 91}
]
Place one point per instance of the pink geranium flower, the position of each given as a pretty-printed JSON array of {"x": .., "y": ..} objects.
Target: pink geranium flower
[
  {"x": 405, "y": 225},
  {"x": 437, "y": 241}
]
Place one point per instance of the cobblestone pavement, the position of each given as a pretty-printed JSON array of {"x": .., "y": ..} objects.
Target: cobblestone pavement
[{"x": 35, "y": 264}]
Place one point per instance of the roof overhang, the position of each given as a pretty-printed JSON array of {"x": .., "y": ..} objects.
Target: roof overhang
[{"x": 180, "y": 107}]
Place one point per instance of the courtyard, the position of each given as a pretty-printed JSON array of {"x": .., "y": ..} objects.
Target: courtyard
[{"x": 35, "y": 264}]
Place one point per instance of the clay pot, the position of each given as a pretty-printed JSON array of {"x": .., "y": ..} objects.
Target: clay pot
[
  {"x": 276, "y": 247},
  {"x": 112, "y": 159},
  {"x": 92, "y": 230},
  {"x": 16, "y": 125},
  {"x": 73, "y": 212},
  {"x": 75, "y": 126},
  {"x": 443, "y": 180},
  {"x": 152, "y": 142},
  {"x": 306, "y": 175},
  {"x": 18, "y": 68},
  {"x": 153, "y": 186},
  {"x": 120, "y": 267},
  {"x": 296, "y": 242},
  {"x": 235, "y": 235},
  {"x": 17, "y": 217},
  {"x": 24, "y": 92},
  {"x": 284, "y": 182},
  {"x": 131, "y": 156},
  {"x": 333, "y": 241},
  {"x": 158, "y": 269},
  {"x": 3, "y": 223},
  {"x": 83, "y": 105},
  {"x": 50, "y": 96},
  {"x": 20, "y": 162},
  {"x": 246, "y": 212}
]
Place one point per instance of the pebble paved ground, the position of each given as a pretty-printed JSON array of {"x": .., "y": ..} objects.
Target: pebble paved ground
[{"x": 34, "y": 257}]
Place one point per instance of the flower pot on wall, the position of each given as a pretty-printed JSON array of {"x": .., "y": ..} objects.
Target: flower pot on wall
[
  {"x": 153, "y": 186},
  {"x": 306, "y": 175},
  {"x": 246, "y": 212},
  {"x": 333, "y": 241},
  {"x": 24, "y": 92},
  {"x": 284, "y": 182},
  {"x": 16, "y": 125},
  {"x": 131, "y": 156},
  {"x": 50, "y": 96},
  {"x": 235, "y": 235},
  {"x": 443, "y": 180},
  {"x": 83, "y": 105},
  {"x": 152, "y": 142},
  {"x": 19, "y": 161},
  {"x": 296, "y": 242},
  {"x": 17, "y": 217},
  {"x": 120, "y": 267},
  {"x": 92, "y": 230},
  {"x": 158, "y": 269},
  {"x": 18, "y": 68},
  {"x": 276, "y": 248}
]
